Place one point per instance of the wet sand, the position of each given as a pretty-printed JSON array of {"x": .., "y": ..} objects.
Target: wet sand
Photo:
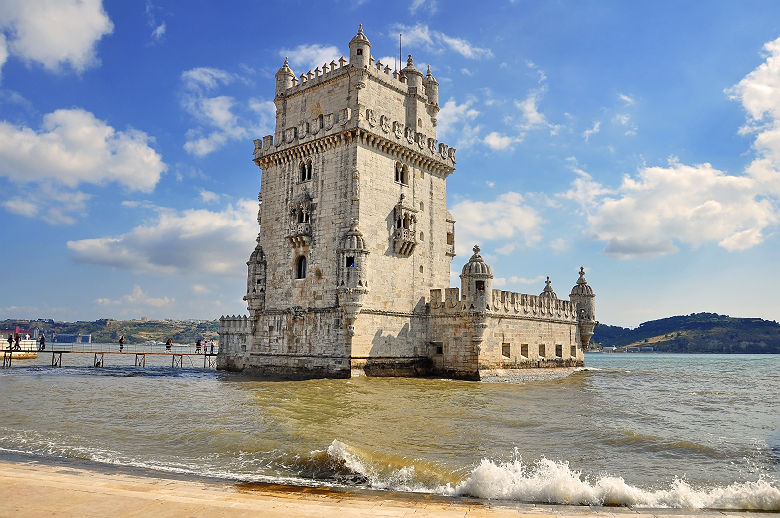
[{"x": 29, "y": 489}]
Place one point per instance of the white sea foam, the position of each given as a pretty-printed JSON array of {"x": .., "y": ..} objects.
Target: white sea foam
[
  {"x": 549, "y": 481},
  {"x": 555, "y": 482}
]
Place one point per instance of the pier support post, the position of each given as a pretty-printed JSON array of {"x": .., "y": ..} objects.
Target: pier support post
[
  {"x": 56, "y": 359},
  {"x": 140, "y": 360},
  {"x": 98, "y": 360}
]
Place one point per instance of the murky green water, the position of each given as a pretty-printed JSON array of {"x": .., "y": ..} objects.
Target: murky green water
[{"x": 641, "y": 429}]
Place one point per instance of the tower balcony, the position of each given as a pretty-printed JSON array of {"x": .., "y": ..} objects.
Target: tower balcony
[
  {"x": 404, "y": 241},
  {"x": 450, "y": 250},
  {"x": 299, "y": 234}
]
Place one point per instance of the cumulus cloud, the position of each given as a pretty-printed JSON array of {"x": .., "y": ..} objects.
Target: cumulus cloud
[
  {"x": 436, "y": 41},
  {"x": 453, "y": 116},
  {"x": 73, "y": 147},
  {"x": 158, "y": 29},
  {"x": 500, "y": 142},
  {"x": 506, "y": 218},
  {"x": 431, "y": 6},
  {"x": 137, "y": 299},
  {"x": 627, "y": 100},
  {"x": 53, "y": 33},
  {"x": 310, "y": 56},
  {"x": 220, "y": 118},
  {"x": 176, "y": 242},
  {"x": 532, "y": 118}
]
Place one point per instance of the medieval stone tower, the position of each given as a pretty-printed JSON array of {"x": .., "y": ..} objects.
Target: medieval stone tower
[{"x": 355, "y": 235}]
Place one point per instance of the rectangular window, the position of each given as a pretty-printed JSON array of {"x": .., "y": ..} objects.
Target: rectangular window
[
  {"x": 573, "y": 351},
  {"x": 480, "y": 285},
  {"x": 350, "y": 262},
  {"x": 437, "y": 347},
  {"x": 506, "y": 350},
  {"x": 559, "y": 351},
  {"x": 541, "y": 350},
  {"x": 524, "y": 350}
]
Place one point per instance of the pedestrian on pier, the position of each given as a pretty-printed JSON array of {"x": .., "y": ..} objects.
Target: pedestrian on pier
[
  {"x": 168, "y": 344},
  {"x": 43, "y": 341},
  {"x": 10, "y": 341},
  {"x": 197, "y": 346},
  {"x": 16, "y": 342},
  {"x": 121, "y": 343}
]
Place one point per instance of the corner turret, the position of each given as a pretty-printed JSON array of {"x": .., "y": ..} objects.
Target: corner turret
[
  {"x": 548, "y": 291},
  {"x": 476, "y": 283},
  {"x": 583, "y": 297},
  {"x": 413, "y": 77},
  {"x": 431, "y": 88},
  {"x": 352, "y": 274},
  {"x": 284, "y": 78},
  {"x": 359, "y": 49}
]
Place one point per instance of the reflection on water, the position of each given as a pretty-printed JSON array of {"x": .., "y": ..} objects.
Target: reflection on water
[{"x": 677, "y": 430}]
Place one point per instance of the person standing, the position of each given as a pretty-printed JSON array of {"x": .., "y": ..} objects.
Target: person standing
[
  {"x": 16, "y": 341},
  {"x": 43, "y": 341},
  {"x": 121, "y": 343},
  {"x": 10, "y": 341}
]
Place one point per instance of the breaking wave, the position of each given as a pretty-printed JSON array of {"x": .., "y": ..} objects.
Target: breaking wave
[{"x": 553, "y": 482}]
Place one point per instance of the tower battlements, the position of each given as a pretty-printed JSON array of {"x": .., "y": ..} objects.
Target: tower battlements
[{"x": 503, "y": 303}]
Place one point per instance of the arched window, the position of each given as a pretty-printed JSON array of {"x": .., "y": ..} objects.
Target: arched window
[
  {"x": 405, "y": 175},
  {"x": 300, "y": 267},
  {"x": 308, "y": 170},
  {"x": 397, "y": 171},
  {"x": 303, "y": 172},
  {"x": 321, "y": 121},
  {"x": 399, "y": 223}
]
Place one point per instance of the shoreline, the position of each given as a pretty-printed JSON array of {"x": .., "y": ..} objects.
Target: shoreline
[{"x": 31, "y": 488}]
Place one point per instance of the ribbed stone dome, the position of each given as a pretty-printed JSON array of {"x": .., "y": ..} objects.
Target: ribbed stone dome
[
  {"x": 582, "y": 287},
  {"x": 548, "y": 291},
  {"x": 477, "y": 266},
  {"x": 360, "y": 37},
  {"x": 353, "y": 239}
]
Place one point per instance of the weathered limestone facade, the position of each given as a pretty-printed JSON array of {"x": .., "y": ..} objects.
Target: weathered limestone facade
[{"x": 356, "y": 241}]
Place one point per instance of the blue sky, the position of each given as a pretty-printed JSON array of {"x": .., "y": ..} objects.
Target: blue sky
[{"x": 641, "y": 140}]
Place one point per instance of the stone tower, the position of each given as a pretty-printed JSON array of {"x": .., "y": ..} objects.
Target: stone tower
[{"x": 355, "y": 243}]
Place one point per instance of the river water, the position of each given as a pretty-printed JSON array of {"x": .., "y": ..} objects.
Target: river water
[{"x": 656, "y": 430}]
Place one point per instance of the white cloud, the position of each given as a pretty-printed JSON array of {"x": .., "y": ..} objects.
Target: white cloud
[
  {"x": 499, "y": 142},
  {"x": 452, "y": 115},
  {"x": 490, "y": 183},
  {"x": 54, "y": 33},
  {"x": 158, "y": 32},
  {"x": 74, "y": 147},
  {"x": 3, "y": 52},
  {"x": 137, "y": 299},
  {"x": 627, "y": 100},
  {"x": 526, "y": 280},
  {"x": 431, "y": 7},
  {"x": 506, "y": 218},
  {"x": 308, "y": 57},
  {"x": 435, "y": 41},
  {"x": 200, "y": 289},
  {"x": 591, "y": 131},
  {"x": 158, "y": 29},
  {"x": 208, "y": 196},
  {"x": 680, "y": 204},
  {"x": 532, "y": 117},
  {"x": 194, "y": 240},
  {"x": 220, "y": 118}
]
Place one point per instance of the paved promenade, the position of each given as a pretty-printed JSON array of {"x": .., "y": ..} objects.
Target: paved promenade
[{"x": 33, "y": 490}]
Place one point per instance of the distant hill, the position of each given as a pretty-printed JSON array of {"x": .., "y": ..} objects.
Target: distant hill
[
  {"x": 696, "y": 333},
  {"x": 107, "y": 330}
]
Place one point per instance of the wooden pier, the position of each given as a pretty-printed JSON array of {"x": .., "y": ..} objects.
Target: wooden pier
[{"x": 177, "y": 355}]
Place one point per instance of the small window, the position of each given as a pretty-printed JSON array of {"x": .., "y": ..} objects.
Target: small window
[
  {"x": 559, "y": 351},
  {"x": 573, "y": 351},
  {"x": 308, "y": 169},
  {"x": 506, "y": 350},
  {"x": 397, "y": 171},
  {"x": 541, "y": 351},
  {"x": 405, "y": 175},
  {"x": 350, "y": 261},
  {"x": 321, "y": 121},
  {"x": 480, "y": 285},
  {"x": 302, "y": 175},
  {"x": 438, "y": 347},
  {"x": 421, "y": 268},
  {"x": 422, "y": 207},
  {"x": 422, "y": 236},
  {"x": 300, "y": 267},
  {"x": 399, "y": 223},
  {"x": 359, "y": 52},
  {"x": 450, "y": 238},
  {"x": 524, "y": 350},
  {"x": 270, "y": 330}
]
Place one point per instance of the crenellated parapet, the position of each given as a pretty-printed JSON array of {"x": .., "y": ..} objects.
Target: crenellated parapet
[{"x": 504, "y": 303}]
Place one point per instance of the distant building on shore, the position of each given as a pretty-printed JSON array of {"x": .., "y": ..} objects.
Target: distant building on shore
[{"x": 351, "y": 269}]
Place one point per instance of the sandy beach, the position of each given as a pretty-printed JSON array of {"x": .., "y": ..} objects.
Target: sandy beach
[{"x": 30, "y": 490}]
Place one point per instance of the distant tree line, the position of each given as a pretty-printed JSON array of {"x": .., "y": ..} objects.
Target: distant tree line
[{"x": 696, "y": 333}]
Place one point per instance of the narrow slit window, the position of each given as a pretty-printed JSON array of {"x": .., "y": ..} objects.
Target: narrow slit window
[
  {"x": 573, "y": 351},
  {"x": 300, "y": 267}
]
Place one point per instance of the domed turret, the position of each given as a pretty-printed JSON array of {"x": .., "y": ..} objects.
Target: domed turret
[
  {"x": 431, "y": 88},
  {"x": 359, "y": 49},
  {"x": 476, "y": 282},
  {"x": 584, "y": 299},
  {"x": 413, "y": 76},
  {"x": 548, "y": 291},
  {"x": 284, "y": 78}
]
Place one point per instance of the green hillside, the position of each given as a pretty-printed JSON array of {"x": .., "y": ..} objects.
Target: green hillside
[
  {"x": 696, "y": 333},
  {"x": 135, "y": 331}
]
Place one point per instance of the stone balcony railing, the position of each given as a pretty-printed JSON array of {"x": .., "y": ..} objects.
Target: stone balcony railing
[
  {"x": 450, "y": 250},
  {"x": 299, "y": 234},
  {"x": 404, "y": 241}
]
